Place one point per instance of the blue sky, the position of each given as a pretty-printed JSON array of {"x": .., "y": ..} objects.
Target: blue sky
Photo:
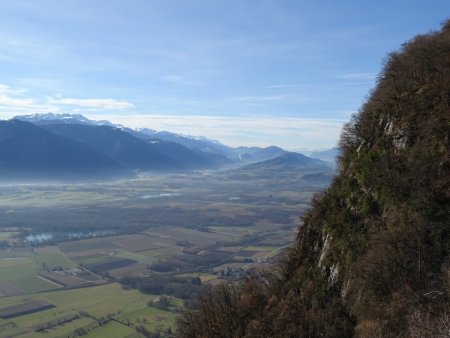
[{"x": 245, "y": 72}]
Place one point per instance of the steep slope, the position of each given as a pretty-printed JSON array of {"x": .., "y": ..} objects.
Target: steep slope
[
  {"x": 372, "y": 256},
  {"x": 188, "y": 158},
  {"x": 130, "y": 151},
  {"x": 288, "y": 161},
  {"x": 200, "y": 143},
  {"x": 175, "y": 154},
  {"x": 28, "y": 152},
  {"x": 51, "y": 118},
  {"x": 188, "y": 152},
  {"x": 256, "y": 154},
  {"x": 289, "y": 165},
  {"x": 216, "y": 152},
  {"x": 329, "y": 155}
]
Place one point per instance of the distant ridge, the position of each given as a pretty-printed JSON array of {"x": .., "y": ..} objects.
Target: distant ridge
[
  {"x": 177, "y": 152},
  {"x": 257, "y": 154},
  {"x": 194, "y": 143},
  {"x": 52, "y": 118},
  {"x": 288, "y": 161},
  {"x": 30, "y": 152},
  {"x": 329, "y": 155},
  {"x": 118, "y": 145}
]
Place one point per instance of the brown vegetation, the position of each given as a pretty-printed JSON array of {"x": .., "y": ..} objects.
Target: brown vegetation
[{"x": 372, "y": 255}]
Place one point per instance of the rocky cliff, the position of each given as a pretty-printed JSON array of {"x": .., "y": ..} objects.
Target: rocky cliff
[{"x": 372, "y": 255}]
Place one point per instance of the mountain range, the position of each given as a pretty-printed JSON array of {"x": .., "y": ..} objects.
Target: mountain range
[
  {"x": 132, "y": 152},
  {"x": 30, "y": 152},
  {"x": 329, "y": 155},
  {"x": 288, "y": 161},
  {"x": 72, "y": 146}
]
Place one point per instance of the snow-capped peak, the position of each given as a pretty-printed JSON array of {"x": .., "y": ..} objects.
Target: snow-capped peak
[{"x": 63, "y": 118}]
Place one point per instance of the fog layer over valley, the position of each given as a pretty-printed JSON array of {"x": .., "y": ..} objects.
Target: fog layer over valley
[{"x": 88, "y": 205}]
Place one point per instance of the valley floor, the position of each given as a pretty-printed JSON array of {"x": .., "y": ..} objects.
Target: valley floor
[{"x": 66, "y": 247}]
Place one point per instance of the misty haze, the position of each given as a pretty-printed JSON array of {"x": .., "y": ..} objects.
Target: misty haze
[{"x": 224, "y": 169}]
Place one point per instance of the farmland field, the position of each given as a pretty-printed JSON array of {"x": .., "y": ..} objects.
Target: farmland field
[
  {"x": 24, "y": 276},
  {"x": 151, "y": 318},
  {"x": 93, "y": 303},
  {"x": 69, "y": 245},
  {"x": 52, "y": 257},
  {"x": 113, "y": 330}
]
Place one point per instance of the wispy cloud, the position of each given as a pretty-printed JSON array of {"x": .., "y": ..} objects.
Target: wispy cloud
[
  {"x": 17, "y": 46},
  {"x": 288, "y": 132},
  {"x": 107, "y": 104},
  {"x": 358, "y": 76},
  {"x": 293, "y": 85},
  {"x": 257, "y": 98},
  {"x": 13, "y": 98},
  {"x": 182, "y": 80},
  {"x": 16, "y": 100}
]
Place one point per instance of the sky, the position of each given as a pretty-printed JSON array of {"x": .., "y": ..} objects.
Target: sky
[{"x": 244, "y": 72}]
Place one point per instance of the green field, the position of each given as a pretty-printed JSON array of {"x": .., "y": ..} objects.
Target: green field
[
  {"x": 22, "y": 270},
  {"x": 204, "y": 277},
  {"x": 95, "y": 259},
  {"x": 200, "y": 226},
  {"x": 63, "y": 330},
  {"x": 113, "y": 330},
  {"x": 261, "y": 248},
  {"x": 8, "y": 262},
  {"x": 51, "y": 257},
  {"x": 4, "y": 235},
  {"x": 233, "y": 231},
  {"x": 29, "y": 197},
  {"x": 13, "y": 253},
  {"x": 94, "y": 302},
  {"x": 158, "y": 255},
  {"x": 136, "y": 257},
  {"x": 151, "y": 318},
  {"x": 23, "y": 275}
]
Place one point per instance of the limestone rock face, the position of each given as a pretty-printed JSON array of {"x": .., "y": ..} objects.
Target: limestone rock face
[{"x": 372, "y": 255}]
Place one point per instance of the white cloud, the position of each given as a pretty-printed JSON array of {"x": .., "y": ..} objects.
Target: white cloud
[
  {"x": 12, "y": 98},
  {"x": 15, "y": 101},
  {"x": 287, "y": 132},
  {"x": 358, "y": 76},
  {"x": 8, "y": 101},
  {"x": 257, "y": 98},
  {"x": 106, "y": 104},
  {"x": 293, "y": 85},
  {"x": 181, "y": 80}
]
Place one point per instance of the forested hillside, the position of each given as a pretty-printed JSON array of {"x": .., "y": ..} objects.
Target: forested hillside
[{"x": 372, "y": 255}]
